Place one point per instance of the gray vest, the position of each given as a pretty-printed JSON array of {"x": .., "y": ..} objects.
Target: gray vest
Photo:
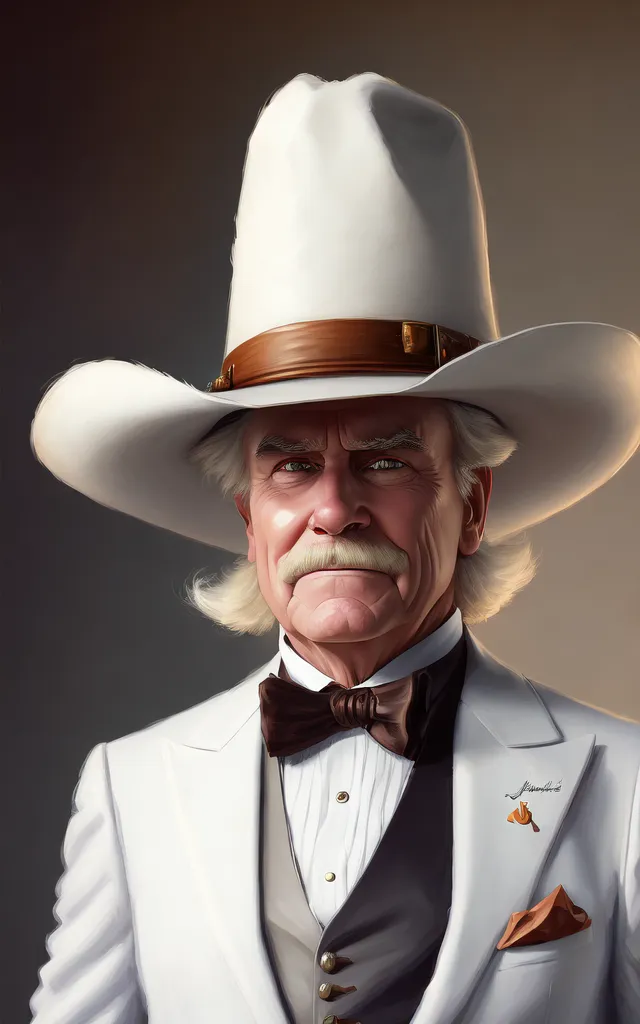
[{"x": 374, "y": 960}]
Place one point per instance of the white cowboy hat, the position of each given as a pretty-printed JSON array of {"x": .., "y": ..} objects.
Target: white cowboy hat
[{"x": 359, "y": 268}]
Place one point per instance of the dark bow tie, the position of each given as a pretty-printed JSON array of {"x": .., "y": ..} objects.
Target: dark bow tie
[{"x": 294, "y": 718}]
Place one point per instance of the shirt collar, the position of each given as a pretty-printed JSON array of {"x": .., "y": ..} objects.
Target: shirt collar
[{"x": 426, "y": 652}]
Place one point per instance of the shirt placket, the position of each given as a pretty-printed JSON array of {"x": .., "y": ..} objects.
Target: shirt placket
[{"x": 331, "y": 854}]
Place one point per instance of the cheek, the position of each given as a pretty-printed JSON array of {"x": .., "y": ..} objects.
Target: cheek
[
  {"x": 422, "y": 519},
  {"x": 431, "y": 525},
  {"x": 283, "y": 519},
  {"x": 442, "y": 524},
  {"x": 276, "y": 528},
  {"x": 401, "y": 515}
]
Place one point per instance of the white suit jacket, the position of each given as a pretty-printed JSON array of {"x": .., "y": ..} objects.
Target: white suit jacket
[{"x": 159, "y": 903}]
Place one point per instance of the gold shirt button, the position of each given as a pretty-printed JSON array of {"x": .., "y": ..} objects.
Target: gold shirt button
[
  {"x": 325, "y": 991},
  {"x": 342, "y": 796},
  {"x": 331, "y": 1019},
  {"x": 328, "y": 962},
  {"x": 330, "y": 877}
]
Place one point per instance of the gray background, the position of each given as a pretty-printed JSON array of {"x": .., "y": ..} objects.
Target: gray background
[{"x": 125, "y": 134}]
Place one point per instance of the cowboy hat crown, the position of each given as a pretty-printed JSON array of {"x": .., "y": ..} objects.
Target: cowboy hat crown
[{"x": 360, "y": 199}]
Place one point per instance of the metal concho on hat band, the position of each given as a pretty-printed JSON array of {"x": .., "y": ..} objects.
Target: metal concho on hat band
[{"x": 322, "y": 348}]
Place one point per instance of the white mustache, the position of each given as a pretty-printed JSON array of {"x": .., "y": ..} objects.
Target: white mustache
[{"x": 342, "y": 554}]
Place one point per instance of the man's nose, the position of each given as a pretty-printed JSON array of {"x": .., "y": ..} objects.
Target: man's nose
[{"x": 338, "y": 506}]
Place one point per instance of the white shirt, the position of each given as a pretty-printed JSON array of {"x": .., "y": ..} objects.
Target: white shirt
[{"x": 337, "y": 837}]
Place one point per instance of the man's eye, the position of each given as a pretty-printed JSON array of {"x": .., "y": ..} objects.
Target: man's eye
[
  {"x": 386, "y": 464},
  {"x": 294, "y": 467}
]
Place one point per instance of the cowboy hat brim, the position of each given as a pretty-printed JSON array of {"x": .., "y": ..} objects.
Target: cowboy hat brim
[{"x": 120, "y": 432}]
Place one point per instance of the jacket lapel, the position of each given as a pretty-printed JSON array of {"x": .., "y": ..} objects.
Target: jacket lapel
[
  {"x": 213, "y": 759},
  {"x": 504, "y": 736}
]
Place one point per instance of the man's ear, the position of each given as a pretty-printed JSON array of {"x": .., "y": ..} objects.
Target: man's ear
[
  {"x": 242, "y": 506},
  {"x": 475, "y": 512}
]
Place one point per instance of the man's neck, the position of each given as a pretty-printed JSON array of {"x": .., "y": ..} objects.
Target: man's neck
[{"x": 351, "y": 663}]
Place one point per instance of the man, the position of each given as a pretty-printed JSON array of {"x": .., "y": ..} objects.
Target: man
[{"x": 382, "y": 824}]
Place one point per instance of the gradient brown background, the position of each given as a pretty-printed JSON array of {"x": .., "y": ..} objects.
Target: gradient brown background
[{"x": 125, "y": 135}]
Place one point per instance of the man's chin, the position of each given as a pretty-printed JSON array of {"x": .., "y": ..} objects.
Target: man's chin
[{"x": 340, "y": 620}]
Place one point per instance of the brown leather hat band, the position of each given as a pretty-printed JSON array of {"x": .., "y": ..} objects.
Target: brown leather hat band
[{"x": 323, "y": 348}]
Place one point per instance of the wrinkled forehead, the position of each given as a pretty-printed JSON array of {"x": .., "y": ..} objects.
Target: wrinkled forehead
[{"x": 355, "y": 418}]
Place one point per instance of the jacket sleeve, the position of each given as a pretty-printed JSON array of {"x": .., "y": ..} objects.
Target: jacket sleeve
[
  {"x": 627, "y": 958},
  {"x": 91, "y": 973}
]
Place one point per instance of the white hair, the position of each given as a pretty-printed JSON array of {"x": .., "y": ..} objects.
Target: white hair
[{"x": 483, "y": 582}]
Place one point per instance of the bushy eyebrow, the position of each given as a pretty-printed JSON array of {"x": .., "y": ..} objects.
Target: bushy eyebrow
[
  {"x": 273, "y": 443},
  {"x": 405, "y": 438}
]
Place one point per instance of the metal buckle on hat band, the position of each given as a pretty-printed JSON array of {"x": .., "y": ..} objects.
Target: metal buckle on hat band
[
  {"x": 324, "y": 348},
  {"x": 222, "y": 383},
  {"x": 417, "y": 337}
]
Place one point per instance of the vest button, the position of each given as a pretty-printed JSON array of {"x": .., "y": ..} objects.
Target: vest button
[
  {"x": 327, "y": 991},
  {"x": 328, "y": 962}
]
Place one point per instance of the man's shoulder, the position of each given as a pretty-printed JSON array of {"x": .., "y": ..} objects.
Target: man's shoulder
[
  {"x": 574, "y": 716},
  {"x": 210, "y": 723},
  {"x": 507, "y": 695}
]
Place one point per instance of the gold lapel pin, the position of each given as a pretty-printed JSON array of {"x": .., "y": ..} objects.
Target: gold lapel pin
[{"x": 522, "y": 816}]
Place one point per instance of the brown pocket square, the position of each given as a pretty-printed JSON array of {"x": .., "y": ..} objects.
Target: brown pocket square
[{"x": 554, "y": 917}]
